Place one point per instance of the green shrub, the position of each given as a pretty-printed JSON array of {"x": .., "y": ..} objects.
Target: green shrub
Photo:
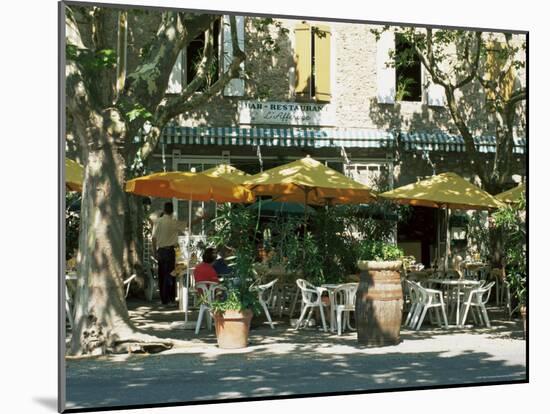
[
  {"x": 379, "y": 250},
  {"x": 510, "y": 220}
]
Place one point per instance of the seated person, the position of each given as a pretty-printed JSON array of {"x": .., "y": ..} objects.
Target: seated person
[
  {"x": 221, "y": 268},
  {"x": 204, "y": 272}
]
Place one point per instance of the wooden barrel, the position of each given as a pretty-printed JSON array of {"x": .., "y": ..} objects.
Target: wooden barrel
[{"x": 379, "y": 303}]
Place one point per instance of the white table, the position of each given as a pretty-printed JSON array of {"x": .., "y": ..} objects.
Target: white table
[{"x": 457, "y": 284}]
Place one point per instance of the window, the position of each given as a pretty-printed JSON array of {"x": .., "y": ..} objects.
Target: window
[
  {"x": 312, "y": 54},
  {"x": 374, "y": 175},
  {"x": 408, "y": 71},
  {"x": 188, "y": 61}
]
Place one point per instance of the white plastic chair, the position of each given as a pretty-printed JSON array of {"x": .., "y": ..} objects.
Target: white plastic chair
[
  {"x": 429, "y": 299},
  {"x": 477, "y": 298},
  {"x": 265, "y": 297},
  {"x": 127, "y": 283},
  {"x": 344, "y": 303},
  {"x": 208, "y": 291},
  {"x": 415, "y": 302},
  {"x": 311, "y": 299}
]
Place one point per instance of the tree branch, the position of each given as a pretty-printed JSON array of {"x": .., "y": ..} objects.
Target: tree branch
[
  {"x": 473, "y": 67},
  {"x": 148, "y": 83},
  {"x": 176, "y": 105},
  {"x": 517, "y": 96}
]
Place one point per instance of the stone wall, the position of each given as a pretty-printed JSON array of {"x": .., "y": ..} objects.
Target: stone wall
[{"x": 354, "y": 87}]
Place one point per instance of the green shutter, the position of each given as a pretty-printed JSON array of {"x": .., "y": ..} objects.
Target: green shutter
[{"x": 322, "y": 63}]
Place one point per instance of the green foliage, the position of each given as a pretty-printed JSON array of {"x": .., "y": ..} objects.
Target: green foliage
[
  {"x": 379, "y": 250},
  {"x": 234, "y": 228},
  {"x": 511, "y": 221},
  {"x": 138, "y": 111},
  {"x": 262, "y": 26},
  {"x": 403, "y": 88},
  {"x": 91, "y": 60},
  {"x": 237, "y": 300},
  {"x": 478, "y": 235}
]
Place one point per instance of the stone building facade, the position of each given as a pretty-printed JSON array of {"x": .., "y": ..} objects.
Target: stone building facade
[{"x": 276, "y": 113}]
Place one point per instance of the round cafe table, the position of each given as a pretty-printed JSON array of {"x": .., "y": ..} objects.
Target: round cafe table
[{"x": 456, "y": 284}]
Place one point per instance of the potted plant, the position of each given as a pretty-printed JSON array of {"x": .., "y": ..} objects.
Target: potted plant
[
  {"x": 233, "y": 311},
  {"x": 379, "y": 302}
]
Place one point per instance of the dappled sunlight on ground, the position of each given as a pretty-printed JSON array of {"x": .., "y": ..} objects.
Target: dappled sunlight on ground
[{"x": 283, "y": 361}]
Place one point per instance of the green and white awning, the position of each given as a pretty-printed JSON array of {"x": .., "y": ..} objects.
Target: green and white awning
[
  {"x": 278, "y": 137},
  {"x": 447, "y": 143}
]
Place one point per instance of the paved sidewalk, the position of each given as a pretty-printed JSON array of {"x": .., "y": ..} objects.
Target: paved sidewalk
[{"x": 284, "y": 362}]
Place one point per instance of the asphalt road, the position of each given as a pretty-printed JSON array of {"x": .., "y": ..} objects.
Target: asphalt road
[{"x": 282, "y": 362}]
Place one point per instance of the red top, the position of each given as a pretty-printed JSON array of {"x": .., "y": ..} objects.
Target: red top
[{"x": 204, "y": 272}]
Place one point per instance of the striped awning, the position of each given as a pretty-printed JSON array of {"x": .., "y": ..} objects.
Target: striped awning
[
  {"x": 447, "y": 142},
  {"x": 278, "y": 137}
]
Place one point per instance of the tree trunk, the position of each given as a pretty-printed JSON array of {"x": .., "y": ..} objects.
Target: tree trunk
[
  {"x": 102, "y": 322},
  {"x": 133, "y": 243}
]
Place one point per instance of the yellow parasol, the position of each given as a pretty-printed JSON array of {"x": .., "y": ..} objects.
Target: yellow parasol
[
  {"x": 192, "y": 187},
  {"x": 312, "y": 182},
  {"x": 511, "y": 196},
  {"x": 74, "y": 175},
  {"x": 227, "y": 172},
  {"x": 189, "y": 186},
  {"x": 448, "y": 191},
  {"x": 309, "y": 181}
]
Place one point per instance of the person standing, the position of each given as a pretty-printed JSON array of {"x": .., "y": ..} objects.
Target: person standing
[{"x": 164, "y": 241}]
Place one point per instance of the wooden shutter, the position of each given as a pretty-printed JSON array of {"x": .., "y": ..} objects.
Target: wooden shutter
[
  {"x": 322, "y": 63},
  {"x": 385, "y": 75},
  {"x": 235, "y": 87},
  {"x": 494, "y": 65},
  {"x": 175, "y": 81},
  {"x": 302, "y": 50}
]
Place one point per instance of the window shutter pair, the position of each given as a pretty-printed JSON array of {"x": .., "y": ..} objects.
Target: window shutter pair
[
  {"x": 235, "y": 87},
  {"x": 385, "y": 75},
  {"x": 304, "y": 50}
]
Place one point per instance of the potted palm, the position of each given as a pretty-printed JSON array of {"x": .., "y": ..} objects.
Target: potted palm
[
  {"x": 233, "y": 314},
  {"x": 233, "y": 311},
  {"x": 379, "y": 302}
]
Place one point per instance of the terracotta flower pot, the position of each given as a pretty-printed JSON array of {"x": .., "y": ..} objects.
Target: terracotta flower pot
[
  {"x": 379, "y": 303},
  {"x": 232, "y": 328}
]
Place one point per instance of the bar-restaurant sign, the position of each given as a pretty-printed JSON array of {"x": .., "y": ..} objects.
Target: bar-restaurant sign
[{"x": 286, "y": 113}]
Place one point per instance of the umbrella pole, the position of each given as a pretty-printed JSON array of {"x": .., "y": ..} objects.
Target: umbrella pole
[
  {"x": 438, "y": 241},
  {"x": 447, "y": 238},
  {"x": 306, "y": 191},
  {"x": 184, "y": 304}
]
